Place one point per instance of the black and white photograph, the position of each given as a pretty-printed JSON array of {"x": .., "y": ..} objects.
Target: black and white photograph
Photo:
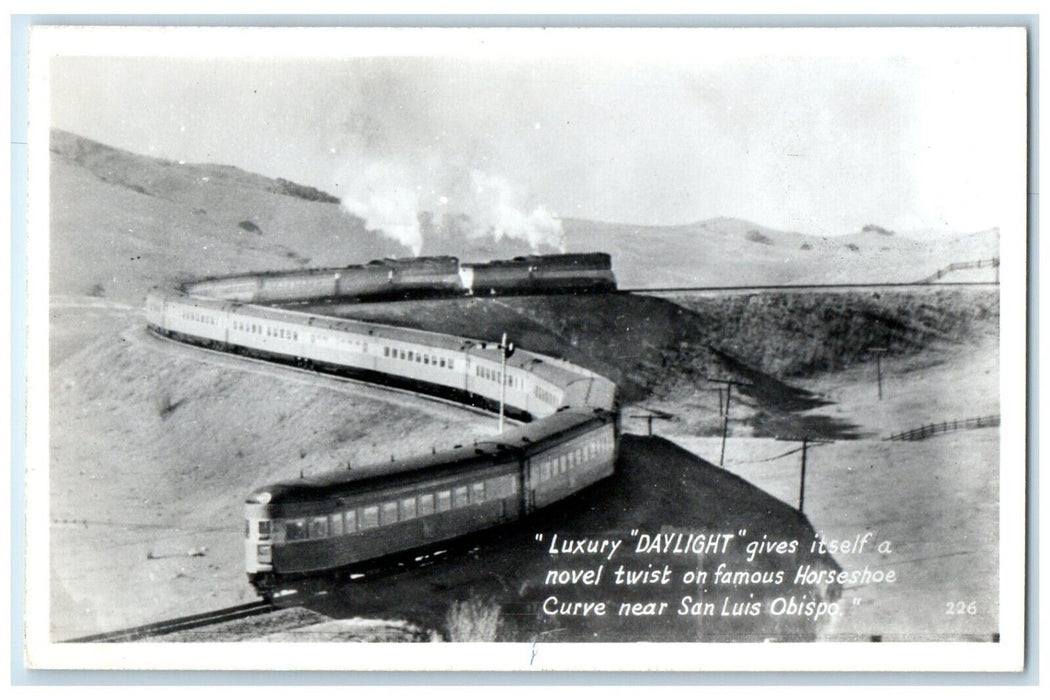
[{"x": 486, "y": 349}]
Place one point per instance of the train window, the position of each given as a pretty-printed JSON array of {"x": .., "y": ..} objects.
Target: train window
[
  {"x": 369, "y": 517},
  {"x": 426, "y": 504},
  {"x": 247, "y": 528},
  {"x": 562, "y": 464},
  {"x": 386, "y": 352},
  {"x": 295, "y": 530},
  {"x": 444, "y": 501},
  {"x": 410, "y": 355},
  {"x": 408, "y": 508},
  {"x": 402, "y": 354},
  {"x": 388, "y": 514},
  {"x": 545, "y": 471},
  {"x": 441, "y": 362},
  {"x": 351, "y": 521},
  {"x": 450, "y": 365},
  {"x": 477, "y": 492},
  {"x": 336, "y": 526},
  {"x": 264, "y": 529},
  {"x": 319, "y": 528},
  {"x": 459, "y": 497}
]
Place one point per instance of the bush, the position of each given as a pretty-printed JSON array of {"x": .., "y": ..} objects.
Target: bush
[
  {"x": 758, "y": 237},
  {"x": 473, "y": 620}
]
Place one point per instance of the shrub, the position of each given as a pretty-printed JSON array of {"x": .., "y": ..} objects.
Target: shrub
[
  {"x": 474, "y": 620},
  {"x": 758, "y": 237}
]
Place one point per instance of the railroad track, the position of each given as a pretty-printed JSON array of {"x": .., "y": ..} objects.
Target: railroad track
[
  {"x": 925, "y": 286},
  {"x": 305, "y": 590},
  {"x": 180, "y": 624}
]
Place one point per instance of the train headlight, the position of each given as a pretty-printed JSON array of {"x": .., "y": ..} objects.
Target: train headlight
[
  {"x": 265, "y": 553},
  {"x": 262, "y": 497}
]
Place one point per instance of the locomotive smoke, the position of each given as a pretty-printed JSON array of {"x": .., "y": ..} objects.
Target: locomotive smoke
[
  {"x": 390, "y": 198},
  {"x": 381, "y": 196},
  {"x": 416, "y": 140}
]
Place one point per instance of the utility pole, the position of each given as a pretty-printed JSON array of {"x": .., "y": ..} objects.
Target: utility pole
[
  {"x": 879, "y": 352},
  {"x": 725, "y": 416},
  {"x": 802, "y": 480},
  {"x": 506, "y": 349}
]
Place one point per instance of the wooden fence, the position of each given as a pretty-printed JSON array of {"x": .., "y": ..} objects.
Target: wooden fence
[
  {"x": 973, "y": 265},
  {"x": 946, "y": 427}
]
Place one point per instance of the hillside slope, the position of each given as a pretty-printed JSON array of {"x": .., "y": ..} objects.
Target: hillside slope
[{"x": 139, "y": 216}]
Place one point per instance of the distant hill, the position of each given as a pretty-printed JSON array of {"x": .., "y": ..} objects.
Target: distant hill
[
  {"x": 728, "y": 251},
  {"x": 122, "y": 222}
]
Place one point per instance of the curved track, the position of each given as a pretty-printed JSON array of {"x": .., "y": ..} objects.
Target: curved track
[{"x": 181, "y": 624}]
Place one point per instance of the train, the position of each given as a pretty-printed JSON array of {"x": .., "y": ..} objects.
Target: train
[
  {"x": 392, "y": 278},
  {"x": 567, "y": 438}
]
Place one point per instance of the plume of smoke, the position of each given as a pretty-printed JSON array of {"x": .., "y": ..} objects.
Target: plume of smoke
[
  {"x": 411, "y": 131},
  {"x": 390, "y": 197},
  {"x": 496, "y": 209},
  {"x": 384, "y": 196}
]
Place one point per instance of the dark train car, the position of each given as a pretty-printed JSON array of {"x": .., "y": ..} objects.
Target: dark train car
[
  {"x": 332, "y": 522},
  {"x": 339, "y": 520},
  {"x": 538, "y": 274},
  {"x": 401, "y": 278}
]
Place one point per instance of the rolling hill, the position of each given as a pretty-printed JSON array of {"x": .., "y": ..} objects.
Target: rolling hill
[{"x": 135, "y": 214}]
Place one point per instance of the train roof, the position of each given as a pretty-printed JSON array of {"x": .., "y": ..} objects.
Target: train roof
[
  {"x": 563, "y": 260},
  {"x": 376, "y": 330},
  {"x": 425, "y": 262},
  {"x": 504, "y": 448}
]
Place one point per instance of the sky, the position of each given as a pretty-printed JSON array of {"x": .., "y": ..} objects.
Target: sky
[{"x": 902, "y": 133}]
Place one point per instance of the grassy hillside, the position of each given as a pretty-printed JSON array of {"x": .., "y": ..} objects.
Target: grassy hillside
[
  {"x": 733, "y": 252},
  {"x": 122, "y": 222}
]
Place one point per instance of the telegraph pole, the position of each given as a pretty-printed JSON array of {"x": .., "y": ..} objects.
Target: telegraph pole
[
  {"x": 878, "y": 364},
  {"x": 506, "y": 349},
  {"x": 725, "y": 416},
  {"x": 802, "y": 480}
]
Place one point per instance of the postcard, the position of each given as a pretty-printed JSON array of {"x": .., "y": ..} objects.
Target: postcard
[{"x": 680, "y": 349}]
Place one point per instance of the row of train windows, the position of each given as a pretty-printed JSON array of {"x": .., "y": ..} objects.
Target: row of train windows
[
  {"x": 395, "y": 511},
  {"x": 420, "y": 357},
  {"x": 338, "y": 340},
  {"x": 198, "y": 317},
  {"x": 545, "y": 396},
  {"x": 297, "y": 283},
  {"x": 560, "y": 464},
  {"x": 494, "y": 376},
  {"x": 265, "y": 330}
]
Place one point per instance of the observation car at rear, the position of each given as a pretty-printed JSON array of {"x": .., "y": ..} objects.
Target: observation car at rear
[{"x": 343, "y": 520}]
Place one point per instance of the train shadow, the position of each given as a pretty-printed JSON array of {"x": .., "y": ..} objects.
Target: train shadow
[{"x": 723, "y": 591}]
